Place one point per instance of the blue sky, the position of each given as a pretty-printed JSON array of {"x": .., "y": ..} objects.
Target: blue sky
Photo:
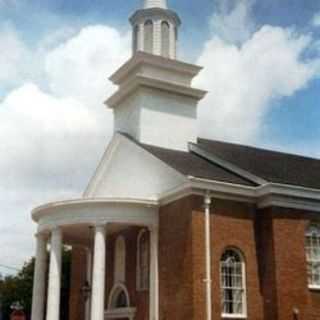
[{"x": 261, "y": 67}]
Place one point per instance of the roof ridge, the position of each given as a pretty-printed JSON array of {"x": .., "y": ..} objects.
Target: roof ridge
[
  {"x": 292, "y": 154},
  {"x": 227, "y": 165}
]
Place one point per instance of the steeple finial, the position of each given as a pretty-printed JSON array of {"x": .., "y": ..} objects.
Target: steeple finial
[{"x": 155, "y": 4}]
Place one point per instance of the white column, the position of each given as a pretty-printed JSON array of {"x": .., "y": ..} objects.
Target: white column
[
  {"x": 141, "y": 37},
  {"x": 157, "y": 37},
  {"x": 99, "y": 273},
  {"x": 39, "y": 282},
  {"x": 172, "y": 41},
  {"x": 89, "y": 273},
  {"x": 54, "y": 287},
  {"x": 154, "y": 274}
]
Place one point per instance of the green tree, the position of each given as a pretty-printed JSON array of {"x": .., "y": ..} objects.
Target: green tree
[{"x": 19, "y": 288}]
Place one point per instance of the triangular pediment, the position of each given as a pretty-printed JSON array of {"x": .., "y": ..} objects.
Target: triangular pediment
[{"x": 129, "y": 171}]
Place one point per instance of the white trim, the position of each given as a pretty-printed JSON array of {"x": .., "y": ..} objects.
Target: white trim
[
  {"x": 118, "y": 287},
  {"x": 208, "y": 280},
  {"x": 314, "y": 288},
  {"x": 96, "y": 212},
  {"x": 119, "y": 270},
  {"x": 139, "y": 80},
  {"x": 120, "y": 313},
  {"x": 143, "y": 58},
  {"x": 138, "y": 270},
  {"x": 233, "y": 316},
  {"x": 103, "y": 165},
  {"x": 244, "y": 314}
]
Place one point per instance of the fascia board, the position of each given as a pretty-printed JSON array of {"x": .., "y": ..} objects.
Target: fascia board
[
  {"x": 142, "y": 58},
  {"x": 140, "y": 80}
]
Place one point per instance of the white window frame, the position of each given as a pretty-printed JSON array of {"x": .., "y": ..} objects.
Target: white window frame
[
  {"x": 312, "y": 245},
  {"x": 139, "y": 271},
  {"x": 243, "y": 314},
  {"x": 119, "y": 269}
]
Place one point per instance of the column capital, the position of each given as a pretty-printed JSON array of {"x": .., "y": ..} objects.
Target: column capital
[
  {"x": 153, "y": 228},
  {"x": 41, "y": 236},
  {"x": 100, "y": 226}
]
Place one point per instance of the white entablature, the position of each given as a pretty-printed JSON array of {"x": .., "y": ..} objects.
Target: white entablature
[{"x": 155, "y": 4}]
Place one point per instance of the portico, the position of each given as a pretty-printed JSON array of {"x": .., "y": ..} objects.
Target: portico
[{"x": 88, "y": 223}]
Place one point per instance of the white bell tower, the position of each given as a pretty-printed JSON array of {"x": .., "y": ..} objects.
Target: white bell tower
[
  {"x": 155, "y": 102},
  {"x": 155, "y": 29}
]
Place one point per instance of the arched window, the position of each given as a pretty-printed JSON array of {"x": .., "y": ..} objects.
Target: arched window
[
  {"x": 313, "y": 255},
  {"x": 119, "y": 297},
  {"x": 120, "y": 260},
  {"x": 165, "y": 39},
  {"x": 232, "y": 275},
  {"x": 135, "y": 38},
  {"x": 148, "y": 36},
  {"x": 143, "y": 260}
]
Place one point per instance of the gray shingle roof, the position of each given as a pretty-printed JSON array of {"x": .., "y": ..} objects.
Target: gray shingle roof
[
  {"x": 273, "y": 166},
  {"x": 190, "y": 164}
]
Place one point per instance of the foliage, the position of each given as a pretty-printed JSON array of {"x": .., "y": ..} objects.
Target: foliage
[{"x": 18, "y": 287}]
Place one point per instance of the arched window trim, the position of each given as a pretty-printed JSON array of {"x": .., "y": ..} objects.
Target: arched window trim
[
  {"x": 147, "y": 23},
  {"x": 135, "y": 40},
  {"x": 115, "y": 291},
  {"x": 119, "y": 274},
  {"x": 312, "y": 251},
  {"x": 243, "y": 314},
  {"x": 139, "y": 287},
  {"x": 165, "y": 41}
]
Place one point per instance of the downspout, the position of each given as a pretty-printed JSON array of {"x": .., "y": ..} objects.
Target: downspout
[{"x": 208, "y": 280}]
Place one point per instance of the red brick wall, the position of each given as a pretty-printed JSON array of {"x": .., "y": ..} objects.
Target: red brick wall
[
  {"x": 284, "y": 244},
  {"x": 271, "y": 240},
  {"x": 233, "y": 225},
  {"x": 78, "y": 278},
  {"x": 138, "y": 299},
  {"x": 176, "y": 274}
]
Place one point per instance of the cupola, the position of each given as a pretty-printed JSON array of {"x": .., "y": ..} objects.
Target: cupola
[
  {"x": 155, "y": 29},
  {"x": 155, "y": 102}
]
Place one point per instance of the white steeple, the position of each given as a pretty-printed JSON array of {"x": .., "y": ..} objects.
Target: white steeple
[
  {"x": 155, "y": 4},
  {"x": 155, "y": 102},
  {"x": 155, "y": 29}
]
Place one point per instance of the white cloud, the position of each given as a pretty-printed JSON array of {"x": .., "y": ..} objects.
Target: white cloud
[
  {"x": 232, "y": 21},
  {"x": 81, "y": 66},
  {"x": 316, "y": 20},
  {"x": 14, "y": 57},
  {"x": 244, "y": 81},
  {"x": 52, "y": 139}
]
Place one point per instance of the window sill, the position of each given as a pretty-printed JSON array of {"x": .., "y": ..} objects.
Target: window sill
[
  {"x": 314, "y": 288},
  {"x": 233, "y": 316}
]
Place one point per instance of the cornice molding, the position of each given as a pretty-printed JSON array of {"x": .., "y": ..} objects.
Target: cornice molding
[{"x": 142, "y": 81}]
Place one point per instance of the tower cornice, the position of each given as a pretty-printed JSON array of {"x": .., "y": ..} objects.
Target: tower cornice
[{"x": 151, "y": 12}]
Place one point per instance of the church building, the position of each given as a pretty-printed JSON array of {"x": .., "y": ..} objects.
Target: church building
[{"x": 175, "y": 227}]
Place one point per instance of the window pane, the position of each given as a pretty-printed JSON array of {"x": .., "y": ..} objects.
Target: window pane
[
  {"x": 312, "y": 249},
  {"x": 148, "y": 36},
  {"x": 232, "y": 283}
]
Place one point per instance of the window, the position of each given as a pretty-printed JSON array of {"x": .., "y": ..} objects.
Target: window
[
  {"x": 165, "y": 39},
  {"x": 135, "y": 38},
  {"x": 232, "y": 275},
  {"x": 143, "y": 260},
  {"x": 148, "y": 36},
  {"x": 120, "y": 260},
  {"x": 313, "y": 255}
]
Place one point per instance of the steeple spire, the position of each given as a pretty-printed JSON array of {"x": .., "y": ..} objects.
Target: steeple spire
[
  {"x": 155, "y": 4},
  {"x": 155, "y": 29}
]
